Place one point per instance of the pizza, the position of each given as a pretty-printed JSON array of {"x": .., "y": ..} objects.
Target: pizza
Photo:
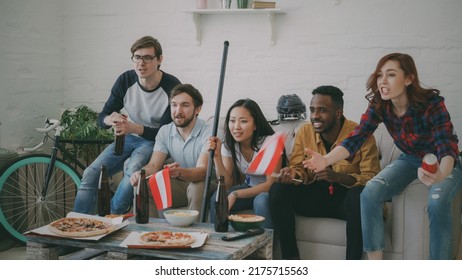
[
  {"x": 125, "y": 216},
  {"x": 167, "y": 239},
  {"x": 80, "y": 227},
  {"x": 111, "y": 216}
]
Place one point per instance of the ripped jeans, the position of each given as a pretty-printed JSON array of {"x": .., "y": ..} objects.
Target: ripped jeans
[{"x": 392, "y": 180}]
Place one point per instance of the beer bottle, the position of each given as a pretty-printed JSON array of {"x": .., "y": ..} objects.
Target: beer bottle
[
  {"x": 142, "y": 200},
  {"x": 104, "y": 193},
  {"x": 221, "y": 207},
  {"x": 119, "y": 145},
  {"x": 119, "y": 142}
]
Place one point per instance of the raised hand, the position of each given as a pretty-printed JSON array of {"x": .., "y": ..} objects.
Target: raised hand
[{"x": 316, "y": 163}]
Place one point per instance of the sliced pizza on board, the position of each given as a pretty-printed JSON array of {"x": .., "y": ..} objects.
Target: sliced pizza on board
[
  {"x": 81, "y": 226},
  {"x": 164, "y": 240}
]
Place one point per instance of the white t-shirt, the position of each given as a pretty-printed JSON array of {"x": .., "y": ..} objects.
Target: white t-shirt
[{"x": 243, "y": 165}]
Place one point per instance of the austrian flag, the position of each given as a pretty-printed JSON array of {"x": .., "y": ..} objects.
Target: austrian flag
[
  {"x": 161, "y": 190},
  {"x": 270, "y": 153}
]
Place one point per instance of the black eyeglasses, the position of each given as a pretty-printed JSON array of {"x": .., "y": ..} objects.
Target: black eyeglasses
[{"x": 145, "y": 58}]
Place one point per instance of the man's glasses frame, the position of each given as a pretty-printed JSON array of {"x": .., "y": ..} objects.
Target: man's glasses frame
[{"x": 146, "y": 58}]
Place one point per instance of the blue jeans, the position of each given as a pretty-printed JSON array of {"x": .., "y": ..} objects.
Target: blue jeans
[
  {"x": 259, "y": 204},
  {"x": 139, "y": 151},
  {"x": 392, "y": 180}
]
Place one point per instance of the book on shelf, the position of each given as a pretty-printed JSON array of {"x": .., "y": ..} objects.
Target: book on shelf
[{"x": 263, "y": 5}]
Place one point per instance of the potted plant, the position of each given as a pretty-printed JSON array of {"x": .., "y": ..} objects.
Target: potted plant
[{"x": 79, "y": 124}]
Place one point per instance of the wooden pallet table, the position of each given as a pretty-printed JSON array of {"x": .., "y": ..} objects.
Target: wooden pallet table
[{"x": 108, "y": 247}]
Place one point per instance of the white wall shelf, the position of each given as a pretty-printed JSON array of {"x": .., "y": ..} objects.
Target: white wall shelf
[{"x": 271, "y": 15}]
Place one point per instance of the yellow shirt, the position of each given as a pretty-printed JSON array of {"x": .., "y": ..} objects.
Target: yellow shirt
[{"x": 364, "y": 165}]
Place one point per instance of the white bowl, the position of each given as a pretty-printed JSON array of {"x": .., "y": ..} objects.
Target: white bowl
[{"x": 181, "y": 218}]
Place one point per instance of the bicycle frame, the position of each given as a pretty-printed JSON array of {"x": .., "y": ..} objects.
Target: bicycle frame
[
  {"x": 55, "y": 124},
  {"x": 49, "y": 125},
  {"x": 74, "y": 158}
]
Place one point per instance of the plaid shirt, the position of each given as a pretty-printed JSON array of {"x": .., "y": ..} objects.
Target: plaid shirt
[{"x": 418, "y": 132}]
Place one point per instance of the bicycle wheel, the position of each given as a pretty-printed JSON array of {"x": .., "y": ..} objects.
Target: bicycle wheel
[{"x": 22, "y": 205}]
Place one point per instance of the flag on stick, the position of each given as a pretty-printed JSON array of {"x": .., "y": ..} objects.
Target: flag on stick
[
  {"x": 270, "y": 153},
  {"x": 161, "y": 189}
]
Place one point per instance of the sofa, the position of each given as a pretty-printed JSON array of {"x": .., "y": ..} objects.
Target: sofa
[{"x": 406, "y": 224}]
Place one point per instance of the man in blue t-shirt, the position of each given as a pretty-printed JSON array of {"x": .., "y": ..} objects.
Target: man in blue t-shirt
[{"x": 144, "y": 94}]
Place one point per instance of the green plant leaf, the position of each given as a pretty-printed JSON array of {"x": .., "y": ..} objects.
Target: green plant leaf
[{"x": 80, "y": 123}]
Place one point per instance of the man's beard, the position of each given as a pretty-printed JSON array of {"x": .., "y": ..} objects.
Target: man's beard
[{"x": 185, "y": 123}]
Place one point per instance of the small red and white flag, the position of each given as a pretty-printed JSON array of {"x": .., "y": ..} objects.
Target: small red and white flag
[
  {"x": 161, "y": 189},
  {"x": 267, "y": 158}
]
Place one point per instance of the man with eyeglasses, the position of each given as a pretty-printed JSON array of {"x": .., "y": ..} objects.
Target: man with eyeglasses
[{"x": 144, "y": 94}]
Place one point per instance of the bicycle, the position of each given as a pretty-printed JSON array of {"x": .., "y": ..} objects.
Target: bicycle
[{"x": 36, "y": 189}]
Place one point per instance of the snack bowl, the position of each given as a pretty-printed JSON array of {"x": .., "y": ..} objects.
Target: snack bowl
[
  {"x": 180, "y": 218},
  {"x": 244, "y": 222}
]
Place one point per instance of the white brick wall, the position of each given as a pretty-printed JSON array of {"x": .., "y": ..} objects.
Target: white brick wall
[{"x": 56, "y": 54}]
